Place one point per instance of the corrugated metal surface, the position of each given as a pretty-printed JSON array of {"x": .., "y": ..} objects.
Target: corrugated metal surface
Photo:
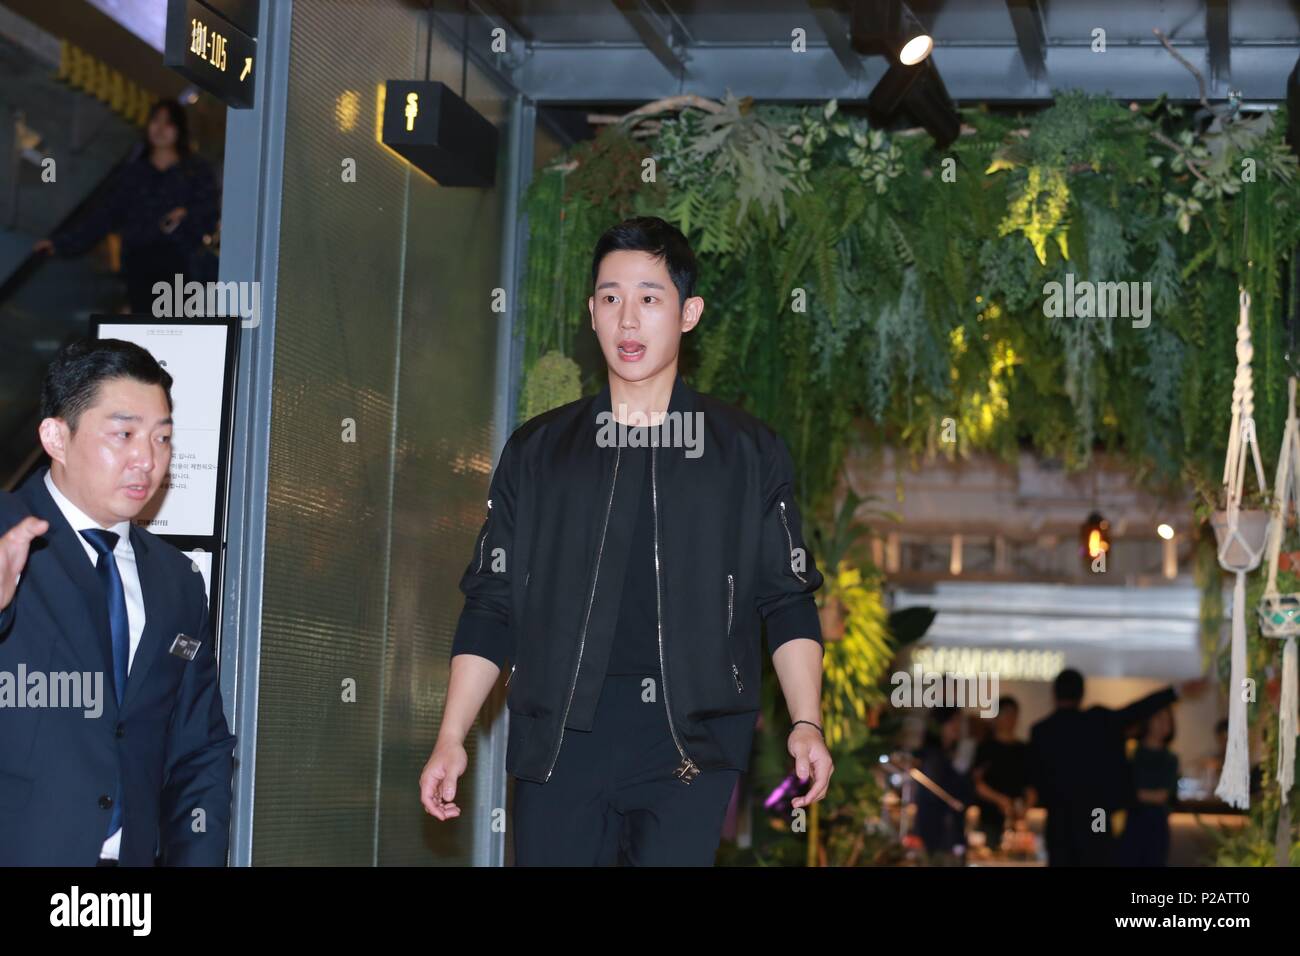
[
  {"x": 363, "y": 558},
  {"x": 444, "y": 459}
]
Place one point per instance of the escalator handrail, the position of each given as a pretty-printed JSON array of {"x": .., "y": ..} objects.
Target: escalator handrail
[
  {"x": 29, "y": 267},
  {"x": 34, "y": 259}
]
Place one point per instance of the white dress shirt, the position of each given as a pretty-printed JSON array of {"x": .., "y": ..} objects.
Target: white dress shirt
[{"x": 124, "y": 555}]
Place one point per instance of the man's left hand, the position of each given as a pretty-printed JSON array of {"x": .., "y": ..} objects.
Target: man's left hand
[{"x": 810, "y": 755}]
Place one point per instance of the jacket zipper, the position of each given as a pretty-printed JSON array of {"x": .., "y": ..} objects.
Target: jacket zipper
[
  {"x": 790, "y": 542},
  {"x": 735, "y": 671},
  {"x": 483, "y": 540},
  {"x": 687, "y": 770},
  {"x": 618, "y": 452}
]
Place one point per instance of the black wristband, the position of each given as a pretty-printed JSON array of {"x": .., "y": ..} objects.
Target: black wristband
[{"x": 819, "y": 730}]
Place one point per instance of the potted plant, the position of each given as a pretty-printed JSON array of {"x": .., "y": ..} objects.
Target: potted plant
[{"x": 1244, "y": 549}]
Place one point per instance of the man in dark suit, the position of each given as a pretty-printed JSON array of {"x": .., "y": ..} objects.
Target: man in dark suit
[
  {"x": 113, "y": 743},
  {"x": 1078, "y": 766}
]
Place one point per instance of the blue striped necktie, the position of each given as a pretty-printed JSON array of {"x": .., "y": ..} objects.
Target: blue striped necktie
[{"x": 119, "y": 624}]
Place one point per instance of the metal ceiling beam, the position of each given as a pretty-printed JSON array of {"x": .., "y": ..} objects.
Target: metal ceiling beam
[
  {"x": 1218, "y": 36},
  {"x": 492, "y": 11},
  {"x": 836, "y": 31},
  {"x": 614, "y": 73},
  {"x": 477, "y": 35},
  {"x": 1031, "y": 36},
  {"x": 659, "y": 46}
]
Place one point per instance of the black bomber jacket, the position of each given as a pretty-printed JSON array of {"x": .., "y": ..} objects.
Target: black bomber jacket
[{"x": 729, "y": 553}]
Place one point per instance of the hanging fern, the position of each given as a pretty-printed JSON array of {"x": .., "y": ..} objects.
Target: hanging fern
[{"x": 923, "y": 272}]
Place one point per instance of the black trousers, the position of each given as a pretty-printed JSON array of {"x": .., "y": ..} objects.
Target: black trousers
[
  {"x": 612, "y": 799},
  {"x": 1145, "y": 841},
  {"x": 144, "y": 266},
  {"x": 1071, "y": 840}
]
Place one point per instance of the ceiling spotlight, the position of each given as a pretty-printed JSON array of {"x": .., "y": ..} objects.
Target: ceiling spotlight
[
  {"x": 889, "y": 91},
  {"x": 889, "y": 28},
  {"x": 929, "y": 102}
]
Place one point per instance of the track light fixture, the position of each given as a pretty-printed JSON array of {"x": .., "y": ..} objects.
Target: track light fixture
[{"x": 888, "y": 28}]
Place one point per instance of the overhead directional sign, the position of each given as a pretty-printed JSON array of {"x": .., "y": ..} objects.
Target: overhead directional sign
[
  {"x": 209, "y": 50},
  {"x": 440, "y": 133}
]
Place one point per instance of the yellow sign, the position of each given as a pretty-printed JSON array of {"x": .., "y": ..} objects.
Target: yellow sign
[{"x": 208, "y": 43}]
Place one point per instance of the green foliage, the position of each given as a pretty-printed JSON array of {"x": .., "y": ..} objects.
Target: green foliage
[
  {"x": 1249, "y": 845},
  {"x": 856, "y": 277},
  {"x": 552, "y": 382}
]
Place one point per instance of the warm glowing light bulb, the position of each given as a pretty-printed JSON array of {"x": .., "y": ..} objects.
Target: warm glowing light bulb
[
  {"x": 1095, "y": 544},
  {"x": 1165, "y": 531}
]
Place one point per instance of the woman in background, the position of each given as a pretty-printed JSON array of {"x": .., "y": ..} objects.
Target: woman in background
[
  {"x": 940, "y": 825},
  {"x": 162, "y": 202},
  {"x": 1145, "y": 841}
]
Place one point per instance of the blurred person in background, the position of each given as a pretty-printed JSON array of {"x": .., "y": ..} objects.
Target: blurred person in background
[
  {"x": 939, "y": 824},
  {"x": 1001, "y": 773},
  {"x": 1079, "y": 768},
  {"x": 1145, "y": 841},
  {"x": 163, "y": 202}
]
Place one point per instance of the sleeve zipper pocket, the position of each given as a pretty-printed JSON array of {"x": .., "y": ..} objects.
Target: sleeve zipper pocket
[
  {"x": 790, "y": 542},
  {"x": 483, "y": 540},
  {"x": 731, "y": 593}
]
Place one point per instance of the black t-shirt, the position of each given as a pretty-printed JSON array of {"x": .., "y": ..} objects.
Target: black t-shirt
[
  {"x": 635, "y": 646},
  {"x": 636, "y": 638},
  {"x": 1156, "y": 770},
  {"x": 1006, "y": 767}
]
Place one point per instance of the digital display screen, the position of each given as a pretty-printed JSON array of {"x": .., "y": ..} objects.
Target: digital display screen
[{"x": 211, "y": 52}]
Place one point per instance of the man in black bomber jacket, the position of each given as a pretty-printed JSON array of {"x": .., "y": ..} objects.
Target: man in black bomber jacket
[{"x": 635, "y": 544}]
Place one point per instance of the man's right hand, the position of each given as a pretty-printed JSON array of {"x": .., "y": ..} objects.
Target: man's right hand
[
  {"x": 438, "y": 780},
  {"x": 13, "y": 555}
]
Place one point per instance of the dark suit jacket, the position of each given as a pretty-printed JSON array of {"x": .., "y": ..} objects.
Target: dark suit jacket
[
  {"x": 169, "y": 743},
  {"x": 1076, "y": 757}
]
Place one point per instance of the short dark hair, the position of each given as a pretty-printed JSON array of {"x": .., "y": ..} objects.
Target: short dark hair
[
  {"x": 72, "y": 381},
  {"x": 1008, "y": 701},
  {"x": 1068, "y": 685},
  {"x": 176, "y": 114},
  {"x": 661, "y": 239},
  {"x": 943, "y": 715},
  {"x": 1145, "y": 726}
]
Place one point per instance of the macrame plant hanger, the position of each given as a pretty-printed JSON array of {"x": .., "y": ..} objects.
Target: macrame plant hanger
[
  {"x": 1236, "y": 555},
  {"x": 1279, "y": 614}
]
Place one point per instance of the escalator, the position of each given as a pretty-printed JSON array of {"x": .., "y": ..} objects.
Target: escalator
[
  {"x": 44, "y": 304},
  {"x": 59, "y": 148}
]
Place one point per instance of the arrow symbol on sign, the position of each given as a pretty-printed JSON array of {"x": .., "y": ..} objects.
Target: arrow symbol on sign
[{"x": 248, "y": 67}]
